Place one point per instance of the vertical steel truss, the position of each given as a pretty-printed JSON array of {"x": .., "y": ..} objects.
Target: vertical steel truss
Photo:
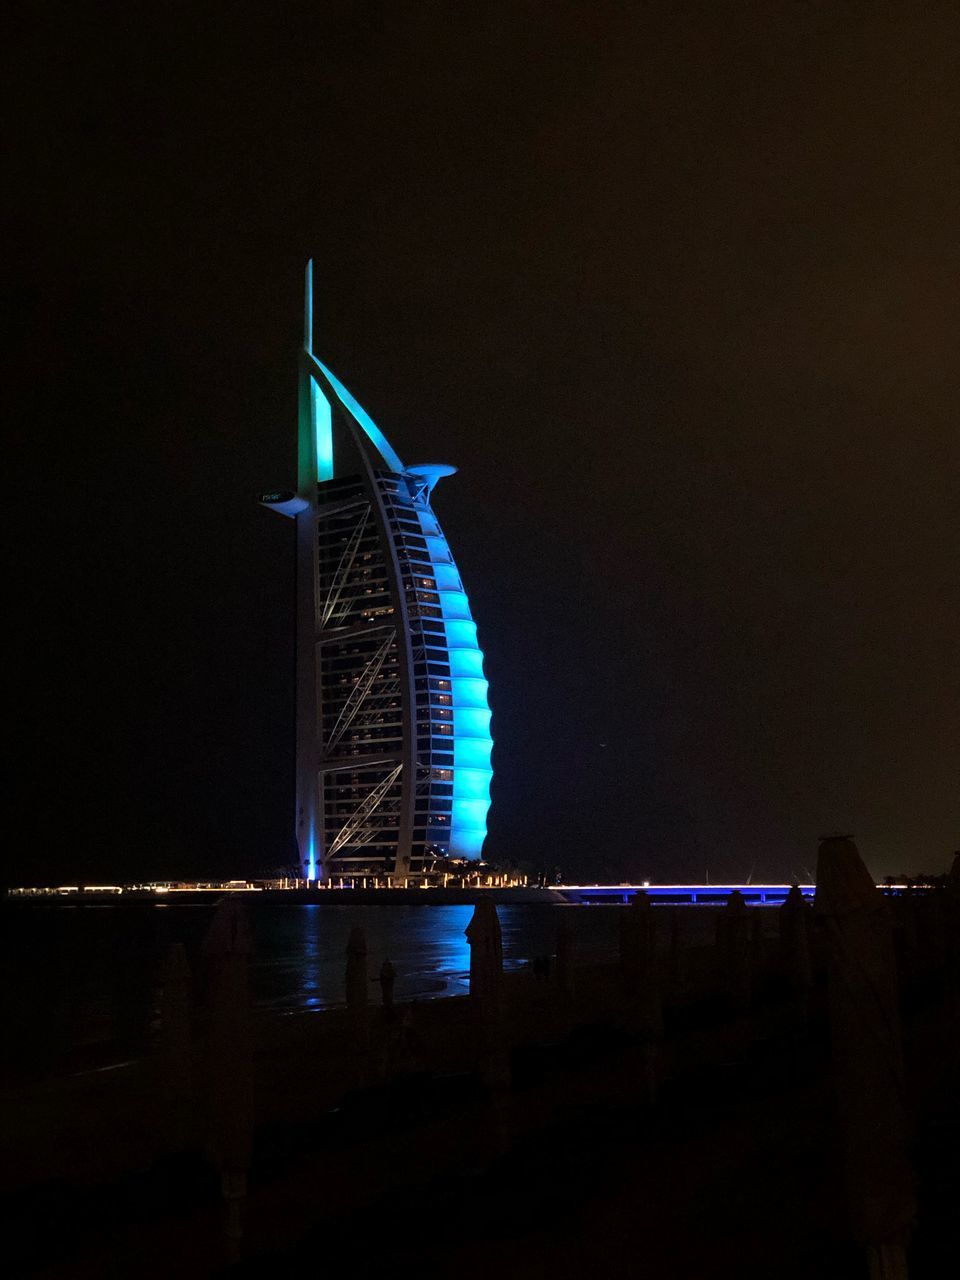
[{"x": 330, "y": 611}]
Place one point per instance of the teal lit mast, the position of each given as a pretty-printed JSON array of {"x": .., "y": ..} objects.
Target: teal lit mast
[{"x": 393, "y": 725}]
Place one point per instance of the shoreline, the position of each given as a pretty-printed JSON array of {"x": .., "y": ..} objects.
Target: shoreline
[
  {"x": 434, "y": 895},
  {"x": 290, "y": 897}
]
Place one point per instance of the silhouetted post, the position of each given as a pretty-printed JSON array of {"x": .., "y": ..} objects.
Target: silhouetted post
[
  {"x": 226, "y": 949},
  {"x": 793, "y": 919},
  {"x": 951, "y": 935},
  {"x": 630, "y": 937},
  {"x": 566, "y": 962},
  {"x": 357, "y": 992},
  {"x": 675, "y": 954},
  {"x": 866, "y": 1056},
  {"x": 733, "y": 952},
  {"x": 392, "y": 1034},
  {"x": 175, "y": 1047},
  {"x": 757, "y": 950},
  {"x": 902, "y": 911},
  {"x": 486, "y": 990},
  {"x": 388, "y": 977},
  {"x": 638, "y": 965},
  {"x": 486, "y": 996},
  {"x": 931, "y": 944}
]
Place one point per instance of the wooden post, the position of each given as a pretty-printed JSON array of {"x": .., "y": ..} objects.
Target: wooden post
[
  {"x": 357, "y": 992},
  {"x": 388, "y": 977},
  {"x": 950, "y": 915},
  {"x": 757, "y": 950},
  {"x": 675, "y": 975},
  {"x": 486, "y": 991},
  {"x": 229, "y": 1061},
  {"x": 793, "y": 919},
  {"x": 639, "y": 969},
  {"x": 867, "y": 1059},
  {"x": 566, "y": 963},
  {"x": 733, "y": 953},
  {"x": 175, "y": 1049}
]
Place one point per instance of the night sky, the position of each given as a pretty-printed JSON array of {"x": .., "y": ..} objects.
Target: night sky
[{"x": 676, "y": 286}]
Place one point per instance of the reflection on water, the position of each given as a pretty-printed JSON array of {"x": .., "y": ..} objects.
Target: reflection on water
[
  {"x": 300, "y": 952},
  {"x": 80, "y": 983}
]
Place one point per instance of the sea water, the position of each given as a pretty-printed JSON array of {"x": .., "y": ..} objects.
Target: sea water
[{"x": 80, "y": 984}]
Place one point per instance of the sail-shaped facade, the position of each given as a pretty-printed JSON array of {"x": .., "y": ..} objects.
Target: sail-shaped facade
[{"x": 393, "y": 723}]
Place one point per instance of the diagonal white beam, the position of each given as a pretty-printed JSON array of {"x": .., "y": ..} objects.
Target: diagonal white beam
[
  {"x": 357, "y": 694},
  {"x": 343, "y": 569},
  {"x": 359, "y": 818}
]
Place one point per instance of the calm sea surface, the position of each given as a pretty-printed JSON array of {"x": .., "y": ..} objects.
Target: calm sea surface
[{"x": 79, "y": 984}]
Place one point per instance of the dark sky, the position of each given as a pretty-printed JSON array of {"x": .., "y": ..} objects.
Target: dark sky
[{"x": 676, "y": 285}]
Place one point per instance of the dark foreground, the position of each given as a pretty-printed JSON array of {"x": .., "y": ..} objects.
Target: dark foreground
[{"x": 709, "y": 1150}]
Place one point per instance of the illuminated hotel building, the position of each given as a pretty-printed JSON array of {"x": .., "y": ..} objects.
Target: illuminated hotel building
[{"x": 393, "y": 726}]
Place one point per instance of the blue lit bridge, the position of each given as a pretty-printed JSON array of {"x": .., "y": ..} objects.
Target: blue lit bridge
[{"x": 680, "y": 894}]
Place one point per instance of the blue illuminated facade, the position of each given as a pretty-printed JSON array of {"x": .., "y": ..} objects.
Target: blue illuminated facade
[{"x": 393, "y": 724}]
